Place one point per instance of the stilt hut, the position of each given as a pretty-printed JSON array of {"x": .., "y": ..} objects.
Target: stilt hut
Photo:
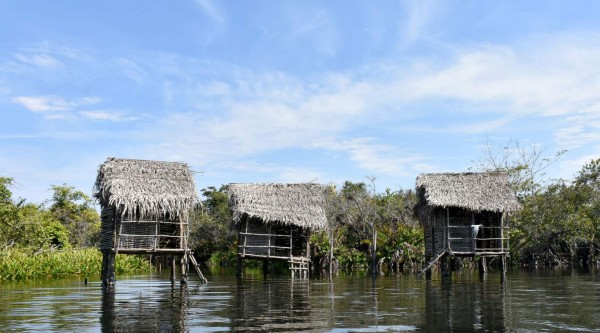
[
  {"x": 274, "y": 221},
  {"x": 463, "y": 214},
  {"x": 145, "y": 208}
]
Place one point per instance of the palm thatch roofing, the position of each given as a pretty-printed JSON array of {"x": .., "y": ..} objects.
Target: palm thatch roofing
[
  {"x": 146, "y": 189},
  {"x": 489, "y": 191},
  {"x": 291, "y": 204}
]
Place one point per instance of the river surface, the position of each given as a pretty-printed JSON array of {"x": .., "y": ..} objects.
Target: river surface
[{"x": 527, "y": 301}]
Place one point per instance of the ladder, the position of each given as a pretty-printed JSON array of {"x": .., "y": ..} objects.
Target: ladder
[
  {"x": 431, "y": 263},
  {"x": 197, "y": 267},
  {"x": 299, "y": 265}
]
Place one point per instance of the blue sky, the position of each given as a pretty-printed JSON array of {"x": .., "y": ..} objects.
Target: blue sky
[{"x": 292, "y": 91}]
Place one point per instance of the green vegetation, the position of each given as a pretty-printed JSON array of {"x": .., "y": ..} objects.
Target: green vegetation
[
  {"x": 20, "y": 265},
  {"x": 560, "y": 223},
  {"x": 560, "y": 220},
  {"x": 58, "y": 241}
]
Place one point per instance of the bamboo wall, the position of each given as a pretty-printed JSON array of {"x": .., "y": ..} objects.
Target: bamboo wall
[
  {"x": 143, "y": 235},
  {"x": 273, "y": 241},
  {"x": 452, "y": 229}
]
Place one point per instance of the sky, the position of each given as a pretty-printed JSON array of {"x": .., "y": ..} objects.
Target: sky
[{"x": 293, "y": 91}]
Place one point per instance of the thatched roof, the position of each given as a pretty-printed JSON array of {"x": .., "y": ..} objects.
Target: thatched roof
[
  {"x": 298, "y": 204},
  {"x": 488, "y": 191},
  {"x": 146, "y": 189}
]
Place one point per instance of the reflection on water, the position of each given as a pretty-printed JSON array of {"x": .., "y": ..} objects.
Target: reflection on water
[
  {"x": 541, "y": 301},
  {"x": 466, "y": 304},
  {"x": 156, "y": 310}
]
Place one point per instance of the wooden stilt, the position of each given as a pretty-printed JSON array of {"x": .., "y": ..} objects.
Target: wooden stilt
[
  {"x": 265, "y": 267},
  {"x": 444, "y": 265},
  {"x": 503, "y": 263},
  {"x": 453, "y": 264},
  {"x": 111, "y": 267},
  {"x": 108, "y": 268},
  {"x": 503, "y": 275},
  {"x": 482, "y": 265},
  {"x": 184, "y": 268},
  {"x": 104, "y": 270},
  {"x": 173, "y": 269},
  {"x": 239, "y": 271}
]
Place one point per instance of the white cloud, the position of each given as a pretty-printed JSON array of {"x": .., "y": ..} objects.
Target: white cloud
[
  {"x": 50, "y": 103},
  {"x": 381, "y": 159},
  {"x": 42, "y": 103},
  {"x": 41, "y": 60},
  {"x": 107, "y": 115},
  {"x": 44, "y": 57},
  {"x": 581, "y": 129},
  {"x": 544, "y": 77},
  {"x": 482, "y": 88}
]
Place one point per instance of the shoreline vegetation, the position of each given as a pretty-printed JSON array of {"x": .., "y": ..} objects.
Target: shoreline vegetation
[
  {"x": 86, "y": 263},
  {"x": 559, "y": 225}
]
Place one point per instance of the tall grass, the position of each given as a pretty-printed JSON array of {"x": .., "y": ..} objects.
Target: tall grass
[{"x": 22, "y": 265}]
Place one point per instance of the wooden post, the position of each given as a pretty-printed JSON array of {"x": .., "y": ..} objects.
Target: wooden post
[
  {"x": 308, "y": 254},
  {"x": 446, "y": 242},
  {"x": 112, "y": 277},
  {"x": 428, "y": 271},
  {"x": 239, "y": 270},
  {"x": 482, "y": 266},
  {"x": 173, "y": 269},
  {"x": 291, "y": 242},
  {"x": 108, "y": 268},
  {"x": 184, "y": 268},
  {"x": 265, "y": 268},
  {"x": 502, "y": 248},
  {"x": 269, "y": 248},
  {"x": 444, "y": 265},
  {"x": 104, "y": 270},
  {"x": 183, "y": 245},
  {"x": 453, "y": 264}
]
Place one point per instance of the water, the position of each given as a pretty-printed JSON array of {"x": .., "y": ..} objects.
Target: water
[{"x": 539, "y": 301}]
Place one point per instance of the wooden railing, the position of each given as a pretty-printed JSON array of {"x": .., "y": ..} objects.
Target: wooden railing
[
  {"x": 267, "y": 243},
  {"x": 461, "y": 240}
]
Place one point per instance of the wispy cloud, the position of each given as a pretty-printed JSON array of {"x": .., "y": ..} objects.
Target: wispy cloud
[
  {"x": 108, "y": 115},
  {"x": 49, "y": 103},
  {"x": 478, "y": 89},
  {"x": 133, "y": 70},
  {"x": 40, "y": 60},
  {"x": 317, "y": 26},
  {"x": 43, "y": 57},
  {"x": 208, "y": 7},
  {"x": 581, "y": 129},
  {"x": 381, "y": 159},
  {"x": 539, "y": 78},
  {"x": 420, "y": 14}
]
